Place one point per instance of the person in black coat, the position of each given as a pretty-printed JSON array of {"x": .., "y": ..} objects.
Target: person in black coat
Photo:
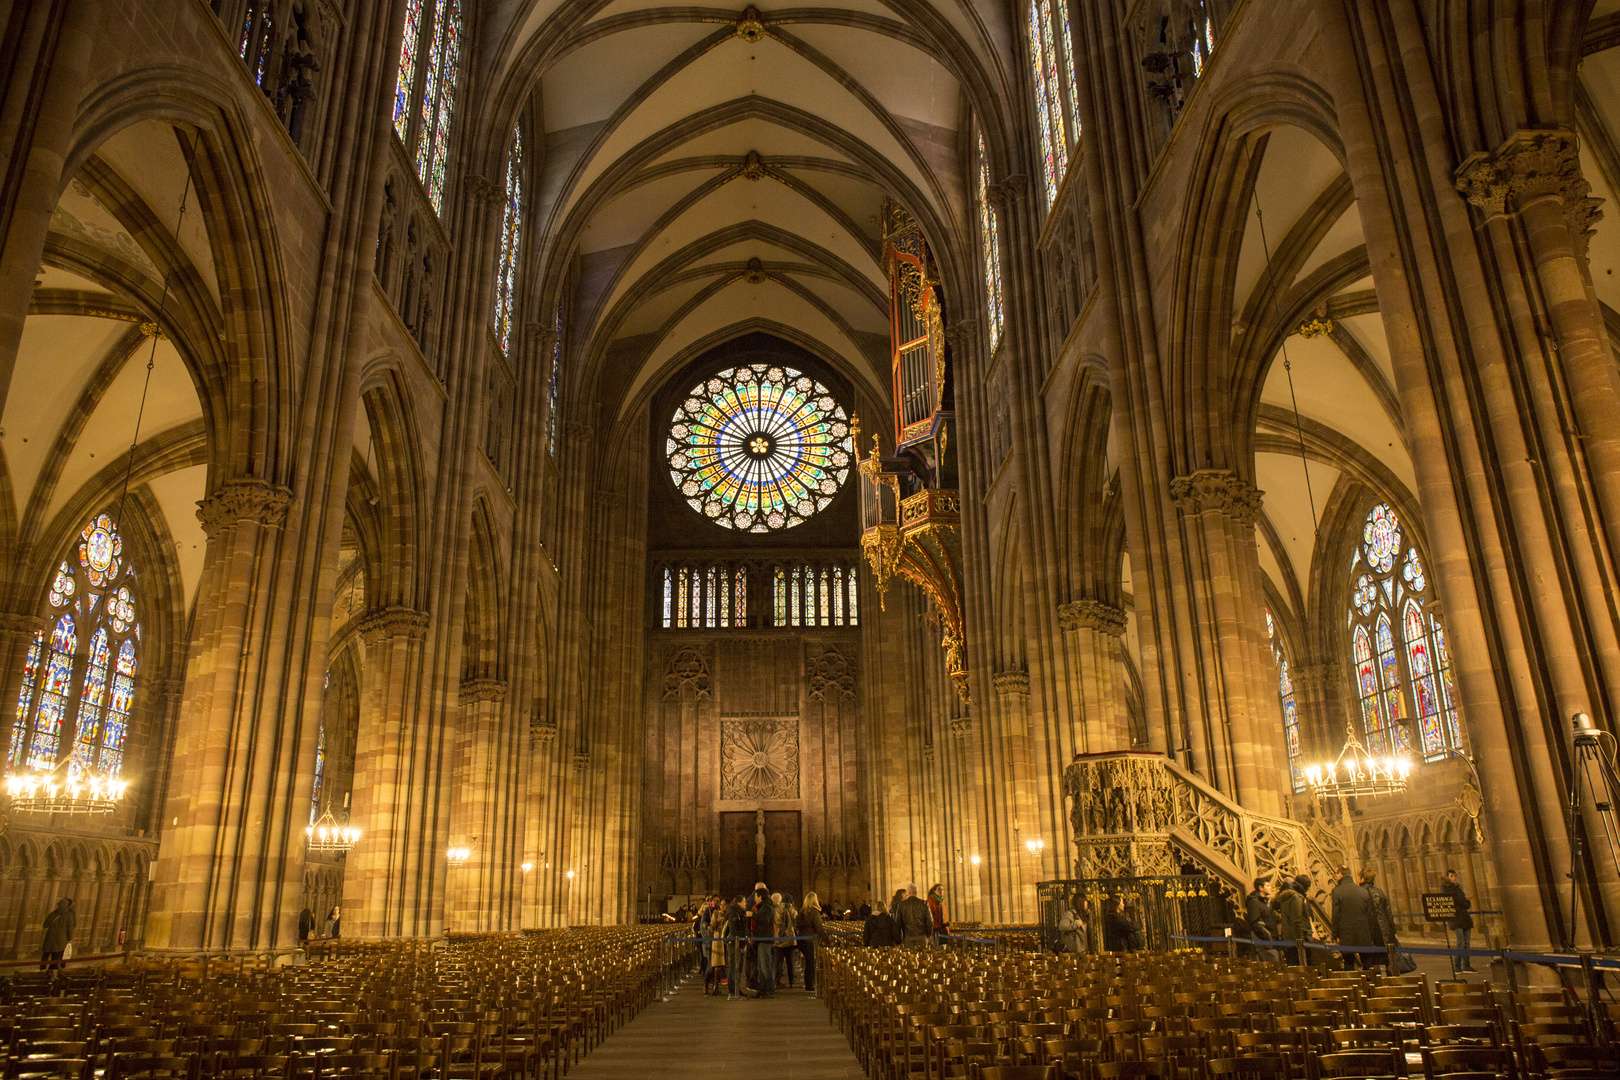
[
  {"x": 1462, "y": 924},
  {"x": 1120, "y": 932},
  {"x": 1352, "y": 919},
  {"x": 1264, "y": 923},
  {"x": 880, "y": 931},
  {"x": 764, "y": 926}
]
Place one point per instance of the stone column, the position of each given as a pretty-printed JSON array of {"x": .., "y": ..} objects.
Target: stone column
[
  {"x": 230, "y": 860},
  {"x": 1236, "y": 747},
  {"x": 398, "y": 866},
  {"x": 1094, "y": 631},
  {"x": 474, "y": 896}
]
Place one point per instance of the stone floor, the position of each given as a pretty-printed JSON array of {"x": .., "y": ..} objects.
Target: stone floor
[{"x": 788, "y": 1037}]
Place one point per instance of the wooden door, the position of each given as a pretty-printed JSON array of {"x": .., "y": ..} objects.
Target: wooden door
[
  {"x": 784, "y": 860},
  {"x": 737, "y": 872}
]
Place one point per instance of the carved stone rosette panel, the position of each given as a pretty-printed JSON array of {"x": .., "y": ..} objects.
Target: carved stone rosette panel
[{"x": 759, "y": 759}]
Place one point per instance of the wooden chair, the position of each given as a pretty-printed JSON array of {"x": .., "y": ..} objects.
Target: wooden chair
[
  {"x": 1468, "y": 1063},
  {"x": 1363, "y": 1063}
]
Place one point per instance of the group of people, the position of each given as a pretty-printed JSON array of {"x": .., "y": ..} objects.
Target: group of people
[
  {"x": 746, "y": 942},
  {"x": 1361, "y": 916},
  {"x": 331, "y": 926},
  {"x": 908, "y": 919}
]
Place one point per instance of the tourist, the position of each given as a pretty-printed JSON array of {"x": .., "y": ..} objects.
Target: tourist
[
  {"x": 936, "y": 914},
  {"x": 715, "y": 948},
  {"x": 1294, "y": 916},
  {"x": 1071, "y": 931},
  {"x": 763, "y": 931},
  {"x": 736, "y": 933},
  {"x": 306, "y": 925},
  {"x": 1352, "y": 919},
  {"x": 880, "y": 931},
  {"x": 1383, "y": 916},
  {"x": 814, "y": 932},
  {"x": 1462, "y": 924},
  {"x": 1120, "y": 932},
  {"x": 787, "y": 917},
  {"x": 916, "y": 924},
  {"x": 865, "y": 910},
  {"x": 1264, "y": 922},
  {"x": 58, "y": 935}
]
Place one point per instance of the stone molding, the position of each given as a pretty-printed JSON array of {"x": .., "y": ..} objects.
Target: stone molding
[
  {"x": 1013, "y": 682},
  {"x": 243, "y": 499},
  {"x": 1092, "y": 615},
  {"x": 20, "y": 627},
  {"x": 1532, "y": 163},
  {"x": 393, "y": 622},
  {"x": 474, "y": 691},
  {"x": 829, "y": 673},
  {"x": 1220, "y": 490},
  {"x": 687, "y": 669}
]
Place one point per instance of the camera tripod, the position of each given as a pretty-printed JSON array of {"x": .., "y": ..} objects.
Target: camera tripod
[{"x": 1589, "y": 757}]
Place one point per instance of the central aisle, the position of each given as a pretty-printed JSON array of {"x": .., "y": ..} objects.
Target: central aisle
[{"x": 693, "y": 1037}]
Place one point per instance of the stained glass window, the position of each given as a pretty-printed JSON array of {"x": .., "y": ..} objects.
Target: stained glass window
[
  {"x": 511, "y": 225},
  {"x": 1052, "y": 71},
  {"x": 990, "y": 241},
  {"x": 759, "y": 447},
  {"x": 429, "y": 56},
  {"x": 1403, "y": 684},
  {"x": 704, "y": 597},
  {"x": 72, "y": 703},
  {"x": 551, "y": 383},
  {"x": 1290, "y": 710},
  {"x": 253, "y": 46},
  {"x": 320, "y": 771},
  {"x": 809, "y": 594}
]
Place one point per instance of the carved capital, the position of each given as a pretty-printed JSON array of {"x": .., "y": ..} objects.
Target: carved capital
[
  {"x": 1092, "y": 615},
  {"x": 1311, "y": 677},
  {"x": 1532, "y": 163},
  {"x": 544, "y": 335},
  {"x": 575, "y": 432},
  {"x": 475, "y": 690},
  {"x": 582, "y": 760},
  {"x": 243, "y": 499},
  {"x": 20, "y": 627},
  {"x": 1004, "y": 195},
  {"x": 928, "y": 748},
  {"x": 485, "y": 190},
  {"x": 543, "y": 731},
  {"x": 393, "y": 622},
  {"x": 961, "y": 727},
  {"x": 1012, "y": 683},
  {"x": 1220, "y": 490},
  {"x": 960, "y": 331}
]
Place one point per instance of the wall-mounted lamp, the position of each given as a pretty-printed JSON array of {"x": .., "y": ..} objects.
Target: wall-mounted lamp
[
  {"x": 569, "y": 875},
  {"x": 458, "y": 855},
  {"x": 527, "y": 867},
  {"x": 974, "y": 860},
  {"x": 1036, "y": 846}
]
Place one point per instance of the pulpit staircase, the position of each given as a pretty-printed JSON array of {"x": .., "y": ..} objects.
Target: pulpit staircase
[{"x": 1142, "y": 814}]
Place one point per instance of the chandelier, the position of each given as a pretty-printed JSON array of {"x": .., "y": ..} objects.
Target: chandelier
[
  {"x": 1356, "y": 771},
  {"x": 458, "y": 855},
  {"x": 44, "y": 793},
  {"x": 327, "y": 835}
]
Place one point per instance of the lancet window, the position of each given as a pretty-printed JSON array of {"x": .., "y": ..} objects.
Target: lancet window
[
  {"x": 425, "y": 93},
  {"x": 1398, "y": 648},
  {"x": 1290, "y": 708},
  {"x": 552, "y": 381},
  {"x": 990, "y": 241},
  {"x": 815, "y": 594},
  {"x": 511, "y": 228},
  {"x": 1051, "y": 56},
  {"x": 712, "y": 596},
  {"x": 78, "y": 679},
  {"x": 253, "y": 44}
]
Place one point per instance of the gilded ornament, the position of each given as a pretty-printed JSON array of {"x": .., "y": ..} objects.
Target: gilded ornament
[{"x": 751, "y": 24}]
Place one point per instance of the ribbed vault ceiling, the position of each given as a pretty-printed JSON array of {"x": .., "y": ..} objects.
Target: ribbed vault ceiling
[{"x": 709, "y": 184}]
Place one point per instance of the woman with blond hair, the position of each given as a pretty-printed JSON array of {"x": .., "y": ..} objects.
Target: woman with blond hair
[{"x": 814, "y": 932}]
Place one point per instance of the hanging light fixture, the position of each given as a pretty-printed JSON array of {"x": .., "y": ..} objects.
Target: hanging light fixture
[
  {"x": 328, "y": 835},
  {"x": 458, "y": 855},
  {"x": 1356, "y": 771},
  {"x": 42, "y": 793}
]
